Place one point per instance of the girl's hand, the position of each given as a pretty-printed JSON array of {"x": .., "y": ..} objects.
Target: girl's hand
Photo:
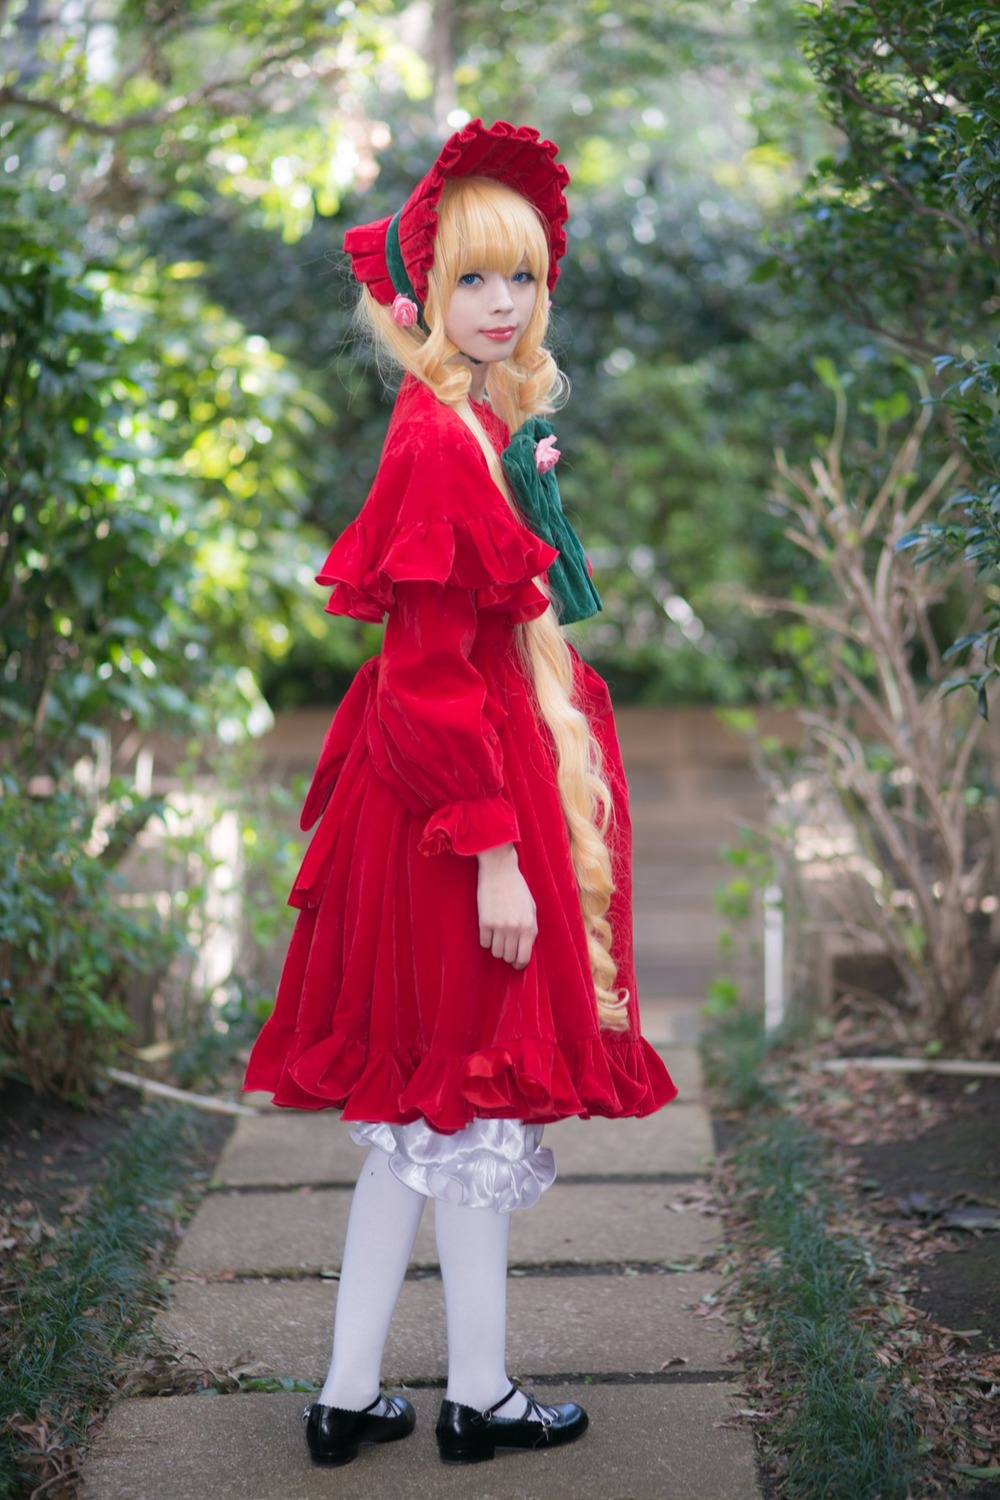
[{"x": 507, "y": 924}]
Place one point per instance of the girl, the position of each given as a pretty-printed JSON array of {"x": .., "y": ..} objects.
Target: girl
[{"x": 461, "y": 969}]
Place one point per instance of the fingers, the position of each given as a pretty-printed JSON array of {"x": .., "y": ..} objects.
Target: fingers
[
  {"x": 524, "y": 947},
  {"x": 507, "y": 917},
  {"x": 512, "y": 944}
]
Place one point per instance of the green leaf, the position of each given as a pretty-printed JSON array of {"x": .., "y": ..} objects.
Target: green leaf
[{"x": 765, "y": 271}]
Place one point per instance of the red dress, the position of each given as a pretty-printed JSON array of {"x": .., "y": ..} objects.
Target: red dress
[{"x": 388, "y": 1007}]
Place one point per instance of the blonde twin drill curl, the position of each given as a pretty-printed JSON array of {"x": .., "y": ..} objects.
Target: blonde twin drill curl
[{"x": 485, "y": 226}]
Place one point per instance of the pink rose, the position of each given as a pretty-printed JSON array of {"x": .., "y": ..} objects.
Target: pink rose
[
  {"x": 404, "y": 311},
  {"x": 547, "y": 455}
]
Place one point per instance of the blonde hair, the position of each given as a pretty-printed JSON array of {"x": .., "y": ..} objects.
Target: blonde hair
[{"x": 482, "y": 226}]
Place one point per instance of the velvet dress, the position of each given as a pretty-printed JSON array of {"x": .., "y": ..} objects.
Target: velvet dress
[{"x": 388, "y": 1007}]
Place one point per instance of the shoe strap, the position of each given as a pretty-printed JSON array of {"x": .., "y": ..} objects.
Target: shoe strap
[
  {"x": 370, "y": 1407},
  {"x": 492, "y": 1411},
  {"x": 542, "y": 1412}
]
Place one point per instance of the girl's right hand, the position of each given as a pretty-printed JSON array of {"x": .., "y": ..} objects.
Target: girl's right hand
[{"x": 507, "y": 921}]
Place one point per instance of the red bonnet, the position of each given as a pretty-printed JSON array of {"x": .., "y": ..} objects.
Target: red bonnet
[{"x": 512, "y": 154}]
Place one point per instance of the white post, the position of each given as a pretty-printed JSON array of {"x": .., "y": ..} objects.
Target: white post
[{"x": 774, "y": 958}]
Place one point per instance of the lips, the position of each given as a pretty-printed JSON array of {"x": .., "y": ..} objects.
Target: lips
[{"x": 501, "y": 335}]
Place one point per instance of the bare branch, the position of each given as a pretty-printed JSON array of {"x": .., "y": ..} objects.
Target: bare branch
[{"x": 901, "y": 464}]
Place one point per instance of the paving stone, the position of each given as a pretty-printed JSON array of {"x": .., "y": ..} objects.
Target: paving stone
[
  {"x": 288, "y": 1147},
  {"x": 682, "y": 1025},
  {"x": 676, "y": 1140},
  {"x": 670, "y": 1024},
  {"x": 644, "y": 1443},
  {"x": 284, "y": 1147},
  {"x": 588, "y": 1323},
  {"x": 682, "y": 1059},
  {"x": 301, "y": 1231}
]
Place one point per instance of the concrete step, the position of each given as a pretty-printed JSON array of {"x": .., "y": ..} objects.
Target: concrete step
[
  {"x": 291, "y": 1148},
  {"x": 301, "y": 1231},
  {"x": 673, "y": 1026},
  {"x": 606, "y": 1324},
  {"x": 645, "y": 1442}
]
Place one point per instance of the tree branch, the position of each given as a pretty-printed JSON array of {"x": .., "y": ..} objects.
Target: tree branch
[
  {"x": 915, "y": 72},
  {"x": 928, "y": 211},
  {"x": 113, "y": 129},
  {"x": 843, "y": 80}
]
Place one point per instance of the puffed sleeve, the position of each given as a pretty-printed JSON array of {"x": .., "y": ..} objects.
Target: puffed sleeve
[{"x": 432, "y": 738}]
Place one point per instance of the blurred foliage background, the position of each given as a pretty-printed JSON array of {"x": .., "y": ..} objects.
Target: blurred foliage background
[{"x": 772, "y": 202}]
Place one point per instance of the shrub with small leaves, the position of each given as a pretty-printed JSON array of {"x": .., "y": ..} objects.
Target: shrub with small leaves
[{"x": 68, "y": 943}]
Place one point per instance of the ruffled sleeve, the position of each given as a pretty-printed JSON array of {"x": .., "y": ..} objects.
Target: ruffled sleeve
[
  {"x": 431, "y": 737},
  {"x": 435, "y": 516}
]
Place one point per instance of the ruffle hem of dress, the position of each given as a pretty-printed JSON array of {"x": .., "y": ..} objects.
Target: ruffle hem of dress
[{"x": 496, "y": 1164}]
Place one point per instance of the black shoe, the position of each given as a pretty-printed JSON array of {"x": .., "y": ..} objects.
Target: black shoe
[
  {"x": 467, "y": 1436},
  {"x": 334, "y": 1434}
]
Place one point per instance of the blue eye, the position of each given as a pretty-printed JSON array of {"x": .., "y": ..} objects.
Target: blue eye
[
  {"x": 469, "y": 279},
  {"x": 522, "y": 276}
]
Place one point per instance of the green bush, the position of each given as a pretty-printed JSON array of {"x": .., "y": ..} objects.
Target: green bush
[
  {"x": 149, "y": 558},
  {"x": 68, "y": 944}
]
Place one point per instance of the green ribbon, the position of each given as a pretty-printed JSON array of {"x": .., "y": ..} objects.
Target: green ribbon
[
  {"x": 397, "y": 268},
  {"x": 573, "y": 594}
]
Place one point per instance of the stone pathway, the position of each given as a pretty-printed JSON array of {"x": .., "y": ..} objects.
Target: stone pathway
[{"x": 606, "y": 1275}]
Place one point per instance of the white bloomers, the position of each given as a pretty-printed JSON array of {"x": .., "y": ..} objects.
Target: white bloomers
[{"x": 497, "y": 1164}]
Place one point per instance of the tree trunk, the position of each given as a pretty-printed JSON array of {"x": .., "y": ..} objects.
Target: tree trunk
[{"x": 444, "y": 22}]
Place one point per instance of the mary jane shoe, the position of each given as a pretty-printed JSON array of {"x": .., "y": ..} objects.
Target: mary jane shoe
[
  {"x": 334, "y": 1434},
  {"x": 467, "y": 1436}
]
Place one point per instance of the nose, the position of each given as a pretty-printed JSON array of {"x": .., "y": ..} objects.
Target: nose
[{"x": 501, "y": 299}]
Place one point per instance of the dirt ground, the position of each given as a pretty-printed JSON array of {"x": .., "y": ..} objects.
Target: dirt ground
[
  {"x": 948, "y": 1177},
  {"x": 50, "y": 1151},
  {"x": 918, "y": 1157}
]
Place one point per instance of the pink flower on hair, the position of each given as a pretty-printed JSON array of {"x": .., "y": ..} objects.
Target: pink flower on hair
[
  {"x": 404, "y": 311},
  {"x": 547, "y": 455}
]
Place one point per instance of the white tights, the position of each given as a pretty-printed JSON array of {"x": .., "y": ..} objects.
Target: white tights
[{"x": 472, "y": 1248}]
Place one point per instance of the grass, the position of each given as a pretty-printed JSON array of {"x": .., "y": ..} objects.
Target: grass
[
  {"x": 734, "y": 1057},
  {"x": 837, "y": 1423},
  {"x": 80, "y": 1302},
  {"x": 845, "y": 1431}
]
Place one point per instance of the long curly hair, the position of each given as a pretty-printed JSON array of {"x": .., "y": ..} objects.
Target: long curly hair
[{"x": 483, "y": 225}]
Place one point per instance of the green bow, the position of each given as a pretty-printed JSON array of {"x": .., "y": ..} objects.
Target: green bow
[{"x": 573, "y": 594}]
